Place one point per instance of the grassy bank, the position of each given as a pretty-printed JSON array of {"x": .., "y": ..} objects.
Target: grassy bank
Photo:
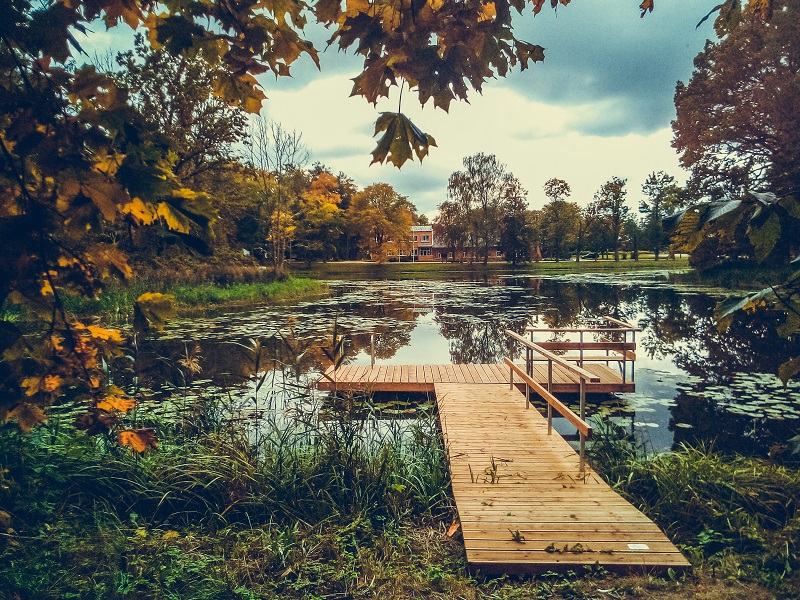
[
  {"x": 342, "y": 509},
  {"x": 118, "y": 297},
  {"x": 408, "y": 270},
  {"x": 733, "y": 516}
]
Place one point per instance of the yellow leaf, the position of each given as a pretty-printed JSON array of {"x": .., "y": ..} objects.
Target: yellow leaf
[
  {"x": 152, "y": 310},
  {"x": 488, "y": 12},
  {"x": 173, "y": 219},
  {"x": 138, "y": 439},
  {"x": 47, "y": 289},
  {"x": 108, "y": 335},
  {"x": 31, "y": 385},
  {"x": 110, "y": 403},
  {"x": 171, "y": 535},
  {"x": 142, "y": 213}
]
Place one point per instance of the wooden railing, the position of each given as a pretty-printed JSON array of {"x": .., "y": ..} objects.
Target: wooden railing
[
  {"x": 532, "y": 353},
  {"x": 622, "y": 351}
]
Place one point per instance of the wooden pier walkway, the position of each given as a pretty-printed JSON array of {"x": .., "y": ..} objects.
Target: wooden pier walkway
[
  {"x": 526, "y": 500},
  {"x": 524, "y": 505},
  {"x": 423, "y": 378}
]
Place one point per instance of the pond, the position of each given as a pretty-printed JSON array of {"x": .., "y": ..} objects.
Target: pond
[{"x": 694, "y": 384}]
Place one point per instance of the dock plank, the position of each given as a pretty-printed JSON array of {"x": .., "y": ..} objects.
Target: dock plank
[
  {"x": 422, "y": 378},
  {"x": 523, "y": 505}
]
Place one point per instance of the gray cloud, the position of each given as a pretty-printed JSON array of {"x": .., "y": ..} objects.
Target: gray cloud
[{"x": 596, "y": 53}]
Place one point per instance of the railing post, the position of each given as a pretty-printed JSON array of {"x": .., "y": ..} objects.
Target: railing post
[
  {"x": 528, "y": 396},
  {"x": 624, "y": 356},
  {"x": 583, "y": 418},
  {"x": 549, "y": 419},
  {"x": 633, "y": 362},
  {"x": 550, "y": 375},
  {"x": 581, "y": 350},
  {"x": 529, "y": 362}
]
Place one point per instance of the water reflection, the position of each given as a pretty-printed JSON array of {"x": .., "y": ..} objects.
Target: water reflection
[{"x": 682, "y": 358}]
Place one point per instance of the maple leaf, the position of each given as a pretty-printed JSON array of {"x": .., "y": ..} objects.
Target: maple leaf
[
  {"x": 105, "y": 335},
  {"x": 138, "y": 439},
  {"x": 328, "y": 11},
  {"x": 26, "y": 415},
  {"x": 142, "y": 213},
  {"x": 646, "y": 6},
  {"x": 172, "y": 218},
  {"x": 400, "y": 138},
  {"x": 242, "y": 91},
  {"x": 106, "y": 257},
  {"x": 126, "y": 10},
  {"x": 96, "y": 422},
  {"x": 110, "y": 403},
  {"x": 372, "y": 83},
  {"x": 152, "y": 311}
]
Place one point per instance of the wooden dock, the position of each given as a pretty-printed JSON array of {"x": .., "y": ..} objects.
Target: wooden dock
[
  {"x": 526, "y": 500},
  {"x": 524, "y": 505},
  {"x": 423, "y": 378}
]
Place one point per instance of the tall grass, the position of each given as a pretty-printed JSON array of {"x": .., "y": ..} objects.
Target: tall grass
[
  {"x": 739, "y": 515},
  {"x": 259, "y": 488}
]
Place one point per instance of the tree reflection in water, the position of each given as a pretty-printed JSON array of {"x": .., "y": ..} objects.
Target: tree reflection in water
[{"x": 678, "y": 338}]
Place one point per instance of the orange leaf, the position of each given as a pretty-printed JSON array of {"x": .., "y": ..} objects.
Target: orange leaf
[
  {"x": 110, "y": 403},
  {"x": 51, "y": 383},
  {"x": 26, "y": 415},
  {"x": 453, "y": 528},
  {"x": 138, "y": 439}
]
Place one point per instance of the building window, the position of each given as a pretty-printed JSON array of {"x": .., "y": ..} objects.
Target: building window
[
  {"x": 402, "y": 253},
  {"x": 424, "y": 251},
  {"x": 426, "y": 238},
  {"x": 449, "y": 255},
  {"x": 499, "y": 253},
  {"x": 415, "y": 238}
]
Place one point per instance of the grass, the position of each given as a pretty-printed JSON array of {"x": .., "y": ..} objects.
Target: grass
[
  {"x": 434, "y": 269},
  {"x": 736, "y": 516},
  {"x": 118, "y": 298},
  {"x": 345, "y": 508}
]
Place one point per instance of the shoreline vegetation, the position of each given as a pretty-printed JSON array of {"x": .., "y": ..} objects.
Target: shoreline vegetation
[
  {"x": 246, "y": 286},
  {"x": 118, "y": 298},
  {"x": 342, "y": 509},
  {"x": 305, "y": 509}
]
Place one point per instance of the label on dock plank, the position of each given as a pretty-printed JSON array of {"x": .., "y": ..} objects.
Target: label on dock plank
[{"x": 638, "y": 546}]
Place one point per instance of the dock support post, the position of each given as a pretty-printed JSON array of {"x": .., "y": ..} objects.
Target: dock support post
[{"x": 372, "y": 349}]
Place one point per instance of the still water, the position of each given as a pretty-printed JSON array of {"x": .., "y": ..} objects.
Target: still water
[{"x": 693, "y": 382}]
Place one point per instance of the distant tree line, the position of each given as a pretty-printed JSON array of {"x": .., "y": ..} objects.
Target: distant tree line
[{"x": 487, "y": 208}]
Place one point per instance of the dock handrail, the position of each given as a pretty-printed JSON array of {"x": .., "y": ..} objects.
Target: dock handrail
[
  {"x": 583, "y": 377},
  {"x": 621, "y": 352},
  {"x": 582, "y": 426},
  {"x": 553, "y": 358}
]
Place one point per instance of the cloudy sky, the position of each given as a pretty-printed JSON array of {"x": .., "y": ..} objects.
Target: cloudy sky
[{"x": 599, "y": 106}]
